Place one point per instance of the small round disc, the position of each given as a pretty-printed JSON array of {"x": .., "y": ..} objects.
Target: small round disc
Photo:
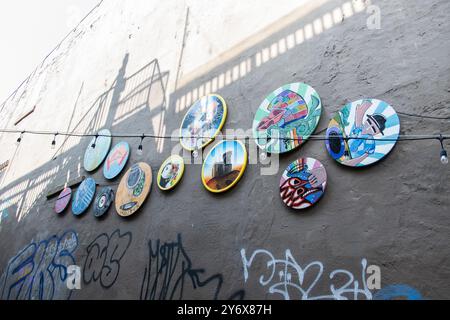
[
  {"x": 93, "y": 157},
  {"x": 83, "y": 196},
  {"x": 63, "y": 200},
  {"x": 202, "y": 122},
  {"x": 224, "y": 165},
  {"x": 133, "y": 189},
  {"x": 287, "y": 117},
  {"x": 170, "y": 172},
  {"x": 303, "y": 183},
  {"x": 103, "y": 201},
  {"x": 362, "y": 132},
  {"x": 116, "y": 160}
]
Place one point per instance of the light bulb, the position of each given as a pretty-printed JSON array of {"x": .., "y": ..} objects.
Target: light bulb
[
  {"x": 139, "y": 150},
  {"x": 195, "y": 153},
  {"x": 262, "y": 155},
  {"x": 444, "y": 158}
]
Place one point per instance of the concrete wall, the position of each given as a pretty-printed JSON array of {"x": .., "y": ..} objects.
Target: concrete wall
[{"x": 138, "y": 66}]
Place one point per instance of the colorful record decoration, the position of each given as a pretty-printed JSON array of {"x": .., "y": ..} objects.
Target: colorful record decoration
[
  {"x": 362, "y": 132},
  {"x": 103, "y": 201},
  {"x": 203, "y": 122},
  {"x": 287, "y": 117},
  {"x": 224, "y": 165},
  {"x": 93, "y": 157},
  {"x": 83, "y": 196},
  {"x": 133, "y": 189},
  {"x": 170, "y": 172},
  {"x": 116, "y": 160},
  {"x": 303, "y": 183},
  {"x": 63, "y": 200}
]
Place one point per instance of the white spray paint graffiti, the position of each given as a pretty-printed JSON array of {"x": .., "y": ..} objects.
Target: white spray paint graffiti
[{"x": 290, "y": 280}]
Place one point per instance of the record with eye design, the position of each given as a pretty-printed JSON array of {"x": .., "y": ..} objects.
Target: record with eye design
[
  {"x": 103, "y": 201},
  {"x": 63, "y": 200},
  {"x": 93, "y": 157},
  {"x": 362, "y": 132},
  {"x": 287, "y": 117},
  {"x": 303, "y": 183},
  {"x": 133, "y": 189},
  {"x": 202, "y": 122}
]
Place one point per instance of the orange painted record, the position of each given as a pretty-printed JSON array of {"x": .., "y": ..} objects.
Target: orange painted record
[{"x": 133, "y": 189}]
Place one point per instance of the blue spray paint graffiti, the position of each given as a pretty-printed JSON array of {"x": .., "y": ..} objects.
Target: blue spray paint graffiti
[
  {"x": 397, "y": 291},
  {"x": 39, "y": 270}
]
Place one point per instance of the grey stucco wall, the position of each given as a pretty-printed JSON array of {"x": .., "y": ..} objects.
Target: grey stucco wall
[{"x": 138, "y": 67}]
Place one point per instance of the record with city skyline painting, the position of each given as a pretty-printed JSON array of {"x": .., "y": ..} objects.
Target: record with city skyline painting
[
  {"x": 303, "y": 183},
  {"x": 133, "y": 189},
  {"x": 116, "y": 160},
  {"x": 202, "y": 122},
  {"x": 170, "y": 172},
  {"x": 362, "y": 132},
  {"x": 63, "y": 200},
  {"x": 83, "y": 196},
  {"x": 224, "y": 165},
  {"x": 286, "y": 118},
  {"x": 93, "y": 157}
]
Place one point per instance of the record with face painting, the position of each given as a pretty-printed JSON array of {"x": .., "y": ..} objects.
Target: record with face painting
[
  {"x": 287, "y": 117},
  {"x": 203, "y": 122},
  {"x": 170, "y": 172},
  {"x": 116, "y": 160},
  {"x": 362, "y": 132},
  {"x": 103, "y": 201},
  {"x": 93, "y": 157},
  {"x": 303, "y": 183},
  {"x": 83, "y": 196},
  {"x": 224, "y": 165},
  {"x": 133, "y": 189},
  {"x": 63, "y": 200}
]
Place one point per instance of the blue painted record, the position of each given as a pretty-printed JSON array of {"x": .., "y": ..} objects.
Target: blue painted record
[{"x": 83, "y": 196}]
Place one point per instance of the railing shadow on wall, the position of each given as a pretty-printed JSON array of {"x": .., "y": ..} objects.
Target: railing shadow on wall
[{"x": 141, "y": 94}]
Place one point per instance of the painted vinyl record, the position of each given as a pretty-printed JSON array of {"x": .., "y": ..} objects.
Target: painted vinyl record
[
  {"x": 303, "y": 183},
  {"x": 103, "y": 201},
  {"x": 362, "y": 132},
  {"x": 116, "y": 160},
  {"x": 83, "y": 196},
  {"x": 133, "y": 189},
  {"x": 93, "y": 157},
  {"x": 203, "y": 122},
  {"x": 287, "y": 117},
  {"x": 170, "y": 172},
  {"x": 224, "y": 165},
  {"x": 63, "y": 200}
]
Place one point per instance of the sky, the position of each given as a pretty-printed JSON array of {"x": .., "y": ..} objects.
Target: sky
[{"x": 29, "y": 30}]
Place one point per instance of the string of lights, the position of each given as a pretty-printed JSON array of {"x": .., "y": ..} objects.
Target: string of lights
[{"x": 316, "y": 137}]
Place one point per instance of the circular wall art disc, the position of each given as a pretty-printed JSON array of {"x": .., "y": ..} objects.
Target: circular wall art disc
[
  {"x": 103, "y": 201},
  {"x": 287, "y": 117},
  {"x": 362, "y": 132},
  {"x": 83, "y": 196},
  {"x": 303, "y": 183},
  {"x": 133, "y": 189},
  {"x": 203, "y": 122},
  {"x": 224, "y": 165},
  {"x": 63, "y": 200},
  {"x": 93, "y": 157},
  {"x": 116, "y": 160},
  {"x": 170, "y": 172}
]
